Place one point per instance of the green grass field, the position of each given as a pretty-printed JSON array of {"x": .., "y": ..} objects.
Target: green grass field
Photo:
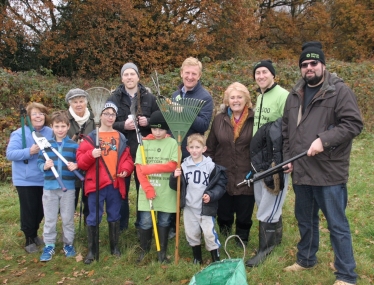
[{"x": 18, "y": 267}]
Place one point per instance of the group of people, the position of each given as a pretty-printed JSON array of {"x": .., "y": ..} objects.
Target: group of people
[{"x": 320, "y": 115}]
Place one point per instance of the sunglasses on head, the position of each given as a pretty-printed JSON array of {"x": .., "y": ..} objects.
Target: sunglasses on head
[{"x": 313, "y": 63}]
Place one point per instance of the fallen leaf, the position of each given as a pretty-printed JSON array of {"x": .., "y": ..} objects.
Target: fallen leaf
[
  {"x": 184, "y": 281},
  {"x": 164, "y": 266},
  {"x": 90, "y": 273},
  {"x": 332, "y": 266},
  {"x": 149, "y": 276},
  {"x": 5, "y": 281},
  {"x": 128, "y": 282},
  {"x": 35, "y": 260},
  {"x": 79, "y": 258}
]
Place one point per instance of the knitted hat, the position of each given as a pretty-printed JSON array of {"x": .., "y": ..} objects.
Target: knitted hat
[
  {"x": 129, "y": 65},
  {"x": 75, "y": 93},
  {"x": 157, "y": 120},
  {"x": 110, "y": 104},
  {"x": 312, "y": 50},
  {"x": 264, "y": 63}
]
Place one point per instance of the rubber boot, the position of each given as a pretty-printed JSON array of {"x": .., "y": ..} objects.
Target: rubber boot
[
  {"x": 163, "y": 236},
  {"x": 279, "y": 231},
  {"x": 114, "y": 237},
  {"x": 197, "y": 257},
  {"x": 145, "y": 237},
  {"x": 244, "y": 236},
  {"x": 91, "y": 233},
  {"x": 215, "y": 255},
  {"x": 266, "y": 238}
]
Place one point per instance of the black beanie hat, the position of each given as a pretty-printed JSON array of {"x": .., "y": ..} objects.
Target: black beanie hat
[
  {"x": 264, "y": 63},
  {"x": 312, "y": 50},
  {"x": 157, "y": 120}
]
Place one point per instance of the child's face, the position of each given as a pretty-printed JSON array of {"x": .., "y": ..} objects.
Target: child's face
[
  {"x": 159, "y": 133},
  {"x": 60, "y": 130},
  {"x": 196, "y": 150},
  {"x": 108, "y": 117}
]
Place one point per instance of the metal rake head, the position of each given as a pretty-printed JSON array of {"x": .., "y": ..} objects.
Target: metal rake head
[
  {"x": 180, "y": 114},
  {"x": 97, "y": 96}
]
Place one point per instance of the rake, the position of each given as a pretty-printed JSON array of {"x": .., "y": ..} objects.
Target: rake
[
  {"x": 179, "y": 115},
  {"x": 97, "y": 96}
]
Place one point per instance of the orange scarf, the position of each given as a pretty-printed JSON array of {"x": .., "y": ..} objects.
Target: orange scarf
[{"x": 239, "y": 124}]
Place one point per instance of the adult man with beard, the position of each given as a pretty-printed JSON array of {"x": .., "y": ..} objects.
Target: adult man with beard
[
  {"x": 321, "y": 115},
  {"x": 131, "y": 91}
]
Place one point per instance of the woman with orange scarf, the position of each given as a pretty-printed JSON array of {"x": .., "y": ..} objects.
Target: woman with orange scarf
[{"x": 228, "y": 145}]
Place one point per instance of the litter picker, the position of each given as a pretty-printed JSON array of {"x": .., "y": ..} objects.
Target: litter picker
[
  {"x": 41, "y": 146},
  {"x": 23, "y": 114},
  {"x": 97, "y": 96},
  {"x": 253, "y": 177},
  {"x": 179, "y": 115},
  {"x": 40, "y": 140},
  {"x": 144, "y": 162}
]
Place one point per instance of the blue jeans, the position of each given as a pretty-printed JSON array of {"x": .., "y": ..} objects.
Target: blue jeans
[
  {"x": 332, "y": 200},
  {"x": 163, "y": 219}
]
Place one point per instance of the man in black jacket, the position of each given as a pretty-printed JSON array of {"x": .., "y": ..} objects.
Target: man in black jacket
[{"x": 132, "y": 95}]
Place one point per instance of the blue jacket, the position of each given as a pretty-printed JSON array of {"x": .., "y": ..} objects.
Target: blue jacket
[
  {"x": 68, "y": 149},
  {"x": 25, "y": 174},
  {"x": 202, "y": 121}
]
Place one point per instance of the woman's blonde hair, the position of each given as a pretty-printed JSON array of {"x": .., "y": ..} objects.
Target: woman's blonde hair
[{"x": 236, "y": 86}]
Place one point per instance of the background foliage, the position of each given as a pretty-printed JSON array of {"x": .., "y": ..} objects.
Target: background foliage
[
  {"x": 93, "y": 38},
  {"x": 23, "y": 87}
]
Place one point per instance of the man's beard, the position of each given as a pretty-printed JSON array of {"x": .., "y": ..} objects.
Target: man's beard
[{"x": 313, "y": 80}]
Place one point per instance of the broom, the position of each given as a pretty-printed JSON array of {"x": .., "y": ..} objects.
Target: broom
[
  {"x": 179, "y": 116},
  {"x": 97, "y": 96}
]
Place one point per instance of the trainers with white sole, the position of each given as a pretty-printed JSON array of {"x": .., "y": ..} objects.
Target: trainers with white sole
[
  {"x": 69, "y": 250},
  {"x": 340, "y": 282},
  {"x": 295, "y": 267},
  {"x": 47, "y": 254}
]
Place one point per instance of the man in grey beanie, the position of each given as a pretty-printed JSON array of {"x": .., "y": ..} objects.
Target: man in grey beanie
[
  {"x": 321, "y": 115},
  {"x": 132, "y": 93}
]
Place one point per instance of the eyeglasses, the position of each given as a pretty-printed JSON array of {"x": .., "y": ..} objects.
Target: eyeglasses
[
  {"x": 37, "y": 114},
  {"x": 109, "y": 115},
  {"x": 313, "y": 63}
]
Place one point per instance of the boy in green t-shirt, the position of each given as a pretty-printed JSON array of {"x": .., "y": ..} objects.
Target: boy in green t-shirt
[{"x": 161, "y": 155}]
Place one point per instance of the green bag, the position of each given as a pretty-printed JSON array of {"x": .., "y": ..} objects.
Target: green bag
[{"x": 224, "y": 272}]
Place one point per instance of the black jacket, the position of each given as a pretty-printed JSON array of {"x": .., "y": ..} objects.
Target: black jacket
[
  {"x": 215, "y": 189},
  {"x": 148, "y": 105}
]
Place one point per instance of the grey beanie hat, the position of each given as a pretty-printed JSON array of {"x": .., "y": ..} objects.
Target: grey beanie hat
[
  {"x": 75, "y": 93},
  {"x": 129, "y": 65},
  {"x": 110, "y": 104}
]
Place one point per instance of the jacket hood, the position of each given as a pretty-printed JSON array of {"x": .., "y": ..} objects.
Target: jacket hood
[
  {"x": 328, "y": 84},
  {"x": 189, "y": 161}
]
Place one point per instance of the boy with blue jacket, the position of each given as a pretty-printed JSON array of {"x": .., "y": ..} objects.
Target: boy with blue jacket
[{"x": 56, "y": 200}]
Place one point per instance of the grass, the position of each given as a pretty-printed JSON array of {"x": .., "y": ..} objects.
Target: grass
[{"x": 18, "y": 267}]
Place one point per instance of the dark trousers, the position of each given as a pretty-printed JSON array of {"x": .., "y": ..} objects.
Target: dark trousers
[
  {"x": 112, "y": 199},
  {"x": 31, "y": 209},
  {"x": 125, "y": 208},
  {"x": 239, "y": 205}
]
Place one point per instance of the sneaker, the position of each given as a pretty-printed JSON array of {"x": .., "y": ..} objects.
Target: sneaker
[
  {"x": 39, "y": 241},
  {"x": 295, "y": 267},
  {"x": 69, "y": 250},
  {"x": 48, "y": 251},
  {"x": 340, "y": 282},
  {"x": 31, "y": 248}
]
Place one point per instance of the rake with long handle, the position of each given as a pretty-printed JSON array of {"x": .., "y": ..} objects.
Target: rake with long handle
[
  {"x": 97, "y": 96},
  {"x": 179, "y": 116},
  {"x": 144, "y": 162}
]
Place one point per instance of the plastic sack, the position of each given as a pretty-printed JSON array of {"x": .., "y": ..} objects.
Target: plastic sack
[{"x": 224, "y": 272}]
